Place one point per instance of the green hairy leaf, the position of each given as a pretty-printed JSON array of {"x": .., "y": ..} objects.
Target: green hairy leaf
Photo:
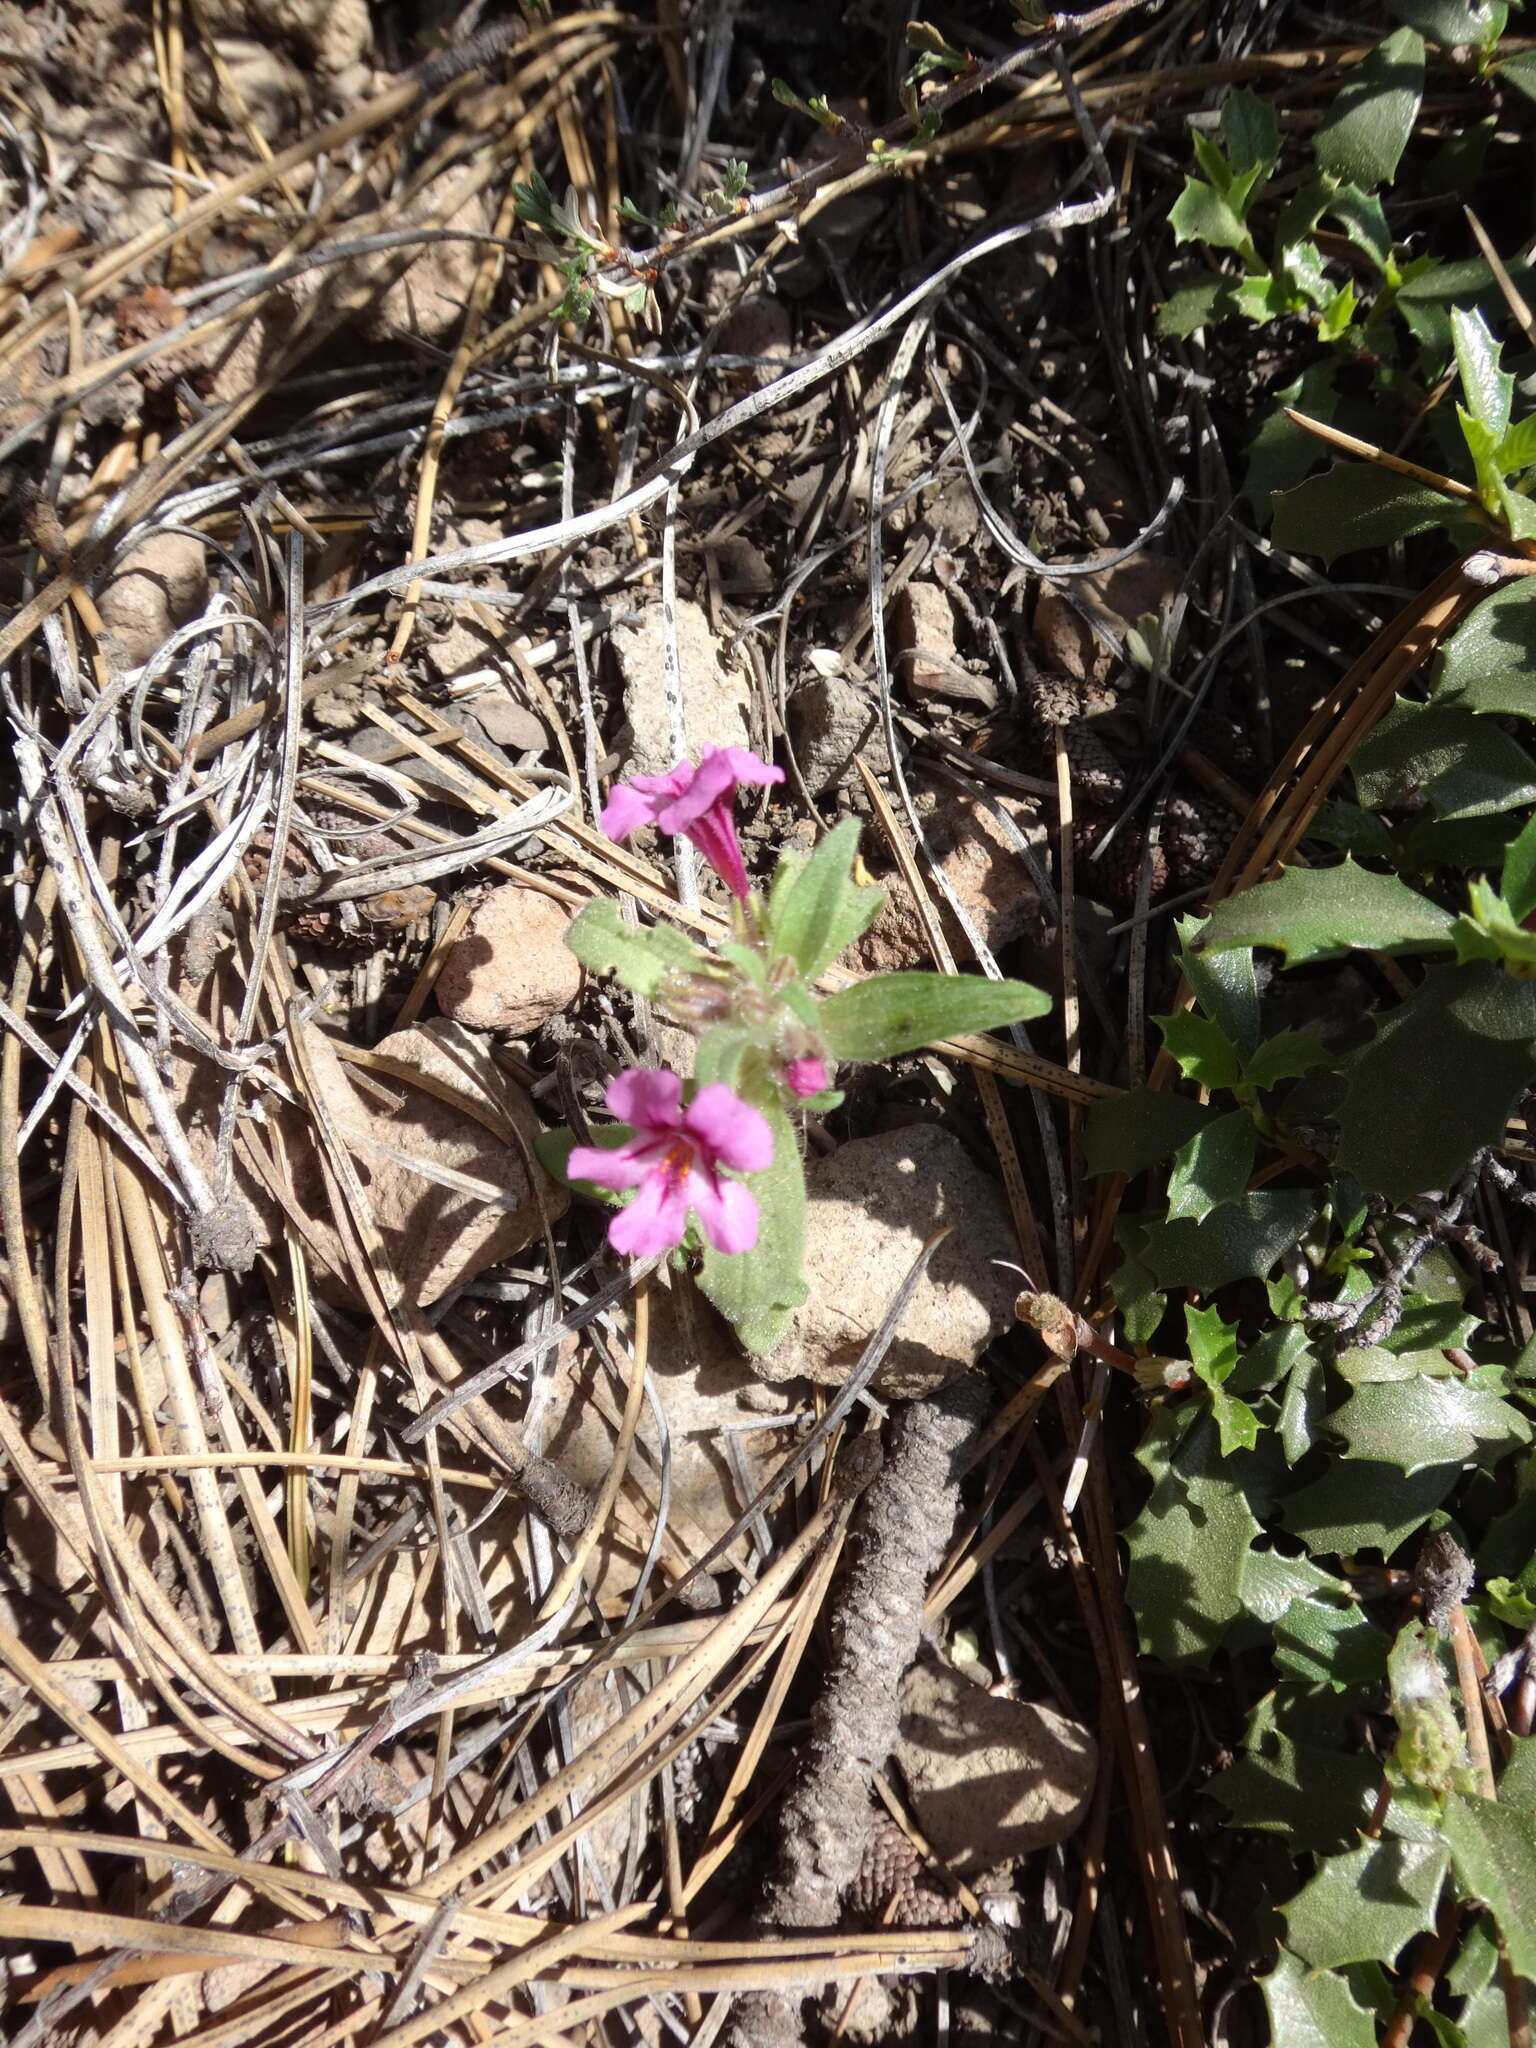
[
  {"x": 815, "y": 908},
  {"x": 640, "y": 955},
  {"x": 758, "y": 1291},
  {"x": 1321, "y": 913},
  {"x": 896, "y": 1013}
]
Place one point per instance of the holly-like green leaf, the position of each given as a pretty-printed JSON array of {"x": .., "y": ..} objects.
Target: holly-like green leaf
[
  {"x": 1517, "y": 884},
  {"x": 1449, "y": 22},
  {"x": 640, "y": 955},
  {"x": 1400, "y": 1134},
  {"x": 1213, "y": 1166},
  {"x": 1190, "y": 1544},
  {"x": 1316, "y": 1798},
  {"x": 1364, "y": 1906},
  {"x": 1202, "y": 1049},
  {"x": 1327, "y": 1639},
  {"x": 1195, "y": 306},
  {"x": 1286, "y": 1057},
  {"x": 1366, "y": 130},
  {"x": 815, "y": 907},
  {"x": 758, "y": 1291},
  {"x": 1241, "y": 1241},
  {"x": 1355, "y": 1505},
  {"x": 1202, "y": 214},
  {"x": 896, "y": 1013},
  {"x": 1493, "y": 1849},
  {"x": 1488, "y": 390},
  {"x": 1414, "y": 1423},
  {"x": 1129, "y": 1132},
  {"x": 1321, "y": 913},
  {"x": 1250, "y": 129},
  {"x": 1364, "y": 220},
  {"x": 1465, "y": 766},
  {"x": 1356, "y": 505},
  {"x": 1489, "y": 662},
  {"x": 1281, "y": 453}
]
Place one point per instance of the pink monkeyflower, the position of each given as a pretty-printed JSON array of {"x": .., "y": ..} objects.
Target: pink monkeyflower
[
  {"x": 674, "y": 1160},
  {"x": 694, "y": 803},
  {"x": 806, "y": 1076}
]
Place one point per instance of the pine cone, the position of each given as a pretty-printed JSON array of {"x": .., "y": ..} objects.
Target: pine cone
[
  {"x": 1196, "y": 832},
  {"x": 891, "y": 1889}
]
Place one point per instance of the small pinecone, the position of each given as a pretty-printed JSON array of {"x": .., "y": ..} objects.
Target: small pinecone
[
  {"x": 1053, "y": 700},
  {"x": 1114, "y": 879},
  {"x": 1196, "y": 832},
  {"x": 1097, "y": 776},
  {"x": 891, "y": 1889}
]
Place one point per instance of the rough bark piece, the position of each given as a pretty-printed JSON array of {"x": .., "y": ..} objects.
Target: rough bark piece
[
  {"x": 904, "y": 1523},
  {"x": 874, "y": 1202},
  {"x": 991, "y": 1779}
]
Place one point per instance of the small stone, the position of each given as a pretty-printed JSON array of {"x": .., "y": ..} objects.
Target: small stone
[
  {"x": 1117, "y": 598},
  {"x": 927, "y": 659},
  {"x": 464, "y": 650},
  {"x": 991, "y": 1779},
  {"x": 873, "y": 1204},
  {"x": 505, "y": 722},
  {"x": 512, "y": 970},
  {"x": 335, "y": 33},
  {"x": 272, "y": 89},
  {"x": 833, "y": 719},
  {"x": 156, "y": 587},
  {"x": 715, "y": 698},
  {"x": 437, "y": 1235},
  {"x": 429, "y": 299},
  {"x": 986, "y": 870}
]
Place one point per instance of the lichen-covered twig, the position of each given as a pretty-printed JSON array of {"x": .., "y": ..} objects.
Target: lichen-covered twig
[{"x": 906, "y": 1520}]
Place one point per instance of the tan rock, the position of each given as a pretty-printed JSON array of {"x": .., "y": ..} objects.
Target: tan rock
[
  {"x": 272, "y": 89},
  {"x": 336, "y": 33},
  {"x": 512, "y": 969},
  {"x": 832, "y": 719},
  {"x": 711, "y": 1397},
  {"x": 504, "y": 721},
  {"x": 156, "y": 587},
  {"x": 991, "y": 1779},
  {"x": 873, "y": 1203},
  {"x": 985, "y": 869},
  {"x": 1115, "y": 597},
  {"x": 428, "y": 300},
  {"x": 715, "y": 698},
  {"x": 451, "y": 1194},
  {"x": 464, "y": 650},
  {"x": 927, "y": 659}
]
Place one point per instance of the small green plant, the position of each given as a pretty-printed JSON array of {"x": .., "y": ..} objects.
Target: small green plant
[{"x": 714, "y": 1167}]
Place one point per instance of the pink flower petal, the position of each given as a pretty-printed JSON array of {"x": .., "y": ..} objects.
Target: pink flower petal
[
  {"x": 641, "y": 799},
  {"x": 655, "y": 1221},
  {"x": 647, "y": 1097},
  {"x": 612, "y": 1166},
  {"x": 806, "y": 1076},
  {"x": 720, "y": 773},
  {"x": 728, "y": 1129},
  {"x": 727, "y": 1212}
]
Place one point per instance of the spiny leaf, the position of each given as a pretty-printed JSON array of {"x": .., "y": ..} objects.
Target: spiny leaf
[
  {"x": 1203, "y": 1050},
  {"x": 1399, "y": 1132},
  {"x": 1489, "y": 662},
  {"x": 1364, "y": 1906},
  {"x": 1366, "y": 130},
  {"x": 1129, "y": 1132},
  {"x": 1465, "y": 766},
  {"x": 1320, "y": 913},
  {"x": 1240, "y": 1241},
  {"x": 1493, "y": 1848},
  {"x": 1356, "y": 505},
  {"x": 1190, "y": 1544},
  {"x": 1356, "y": 1505},
  {"x": 1213, "y": 1166},
  {"x": 1414, "y": 1423}
]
